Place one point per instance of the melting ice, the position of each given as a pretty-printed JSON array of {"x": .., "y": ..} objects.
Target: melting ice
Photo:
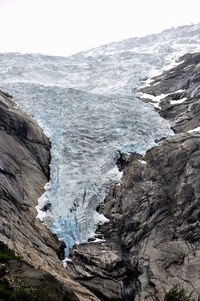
[{"x": 86, "y": 106}]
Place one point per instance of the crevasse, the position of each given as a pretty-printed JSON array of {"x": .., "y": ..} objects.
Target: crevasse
[{"x": 86, "y": 105}]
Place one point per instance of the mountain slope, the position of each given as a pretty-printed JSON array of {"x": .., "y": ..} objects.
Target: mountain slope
[
  {"x": 67, "y": 97},
  {"x": 152, "y": 239},
  {"x": 87, "y": 128},
  {"x": 24, "y": 170}
]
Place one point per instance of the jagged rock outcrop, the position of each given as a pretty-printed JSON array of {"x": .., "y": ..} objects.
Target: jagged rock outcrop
[
  {"x": 181, "y": 91},
  {"x": 24, "y": 170},
  {"x": 152, "y": 239}
]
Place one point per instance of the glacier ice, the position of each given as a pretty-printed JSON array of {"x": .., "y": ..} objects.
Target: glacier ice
[{"x": 86, "y": 106}]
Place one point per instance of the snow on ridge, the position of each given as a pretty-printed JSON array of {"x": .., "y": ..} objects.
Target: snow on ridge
[
  {"x": 178, "y": 101},
  {"x": 158, "y": 73},
  {"x": 194, "y": 130},
  {"x": 179, "y": 91},
  {"x": 154, "y": 100}
]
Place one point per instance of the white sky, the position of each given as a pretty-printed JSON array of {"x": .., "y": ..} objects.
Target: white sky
[{"x": 63, "y": 27}]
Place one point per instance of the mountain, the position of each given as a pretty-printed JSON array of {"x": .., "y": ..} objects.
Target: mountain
[
  {"x": 151, "y": 241},
  {"x": 99, "y": 108},
  {"x": 114, "y": 68},
  {"x": 86, "y": 107}
]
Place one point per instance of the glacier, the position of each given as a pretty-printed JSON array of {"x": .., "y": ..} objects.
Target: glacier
[{"x": 86, "y": 105}]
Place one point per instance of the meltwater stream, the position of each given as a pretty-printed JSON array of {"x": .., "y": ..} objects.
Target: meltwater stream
[{"x": 86, "y": 107}]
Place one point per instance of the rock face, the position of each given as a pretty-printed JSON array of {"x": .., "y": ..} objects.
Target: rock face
[
  {"x": 181, "y": 86},
  {"x": 24, "y": 170},
  {"x": 152, "y": 239},
  {"x": 20, "y": 281}
]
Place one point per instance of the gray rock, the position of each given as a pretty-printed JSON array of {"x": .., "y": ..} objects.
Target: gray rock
[
  {"x": 24, "y": 170},
  {"x": 186, "y": 77},
  {"x": 152, "y": 240}
]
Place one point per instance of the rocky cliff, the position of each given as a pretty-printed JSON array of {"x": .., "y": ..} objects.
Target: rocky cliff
[
  {"x": 152, "y": 239},
  {"x": 24, "y": 170}
]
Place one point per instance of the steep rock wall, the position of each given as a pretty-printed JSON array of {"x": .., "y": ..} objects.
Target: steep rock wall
[
  {"x": 152, "y": 240},
  {"x": 24, "y": 170}
]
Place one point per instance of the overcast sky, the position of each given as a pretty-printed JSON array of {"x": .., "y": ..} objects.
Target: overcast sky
[{"x": 63, "y": 27}]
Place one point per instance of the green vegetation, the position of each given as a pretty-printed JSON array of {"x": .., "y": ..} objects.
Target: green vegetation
[
  {"x": 8, "y": 254},
  {"x": 177, "y": 293},
  {"x": 70, "y": 297},
  {"x": 26, "y": 294},
  {"x": 15, "y": 291}
]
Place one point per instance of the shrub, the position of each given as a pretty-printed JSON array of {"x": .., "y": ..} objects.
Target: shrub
[
  {"x": 177, "y": 293},
  {"x": 8, "y": 292},
  {"x": 24, "y": 294},
  {"x": 70, "y": 297},
  {"x": 7, "y": 254}
]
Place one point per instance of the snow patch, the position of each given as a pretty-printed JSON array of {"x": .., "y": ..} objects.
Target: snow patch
[
  {"x": 115, "y": 174},
  {"x": 100, "y": 219},
  {"x": 65, "y": 261},
  {"x": 178, "y": 101},
  {"x": 158, "y": 72},
  {"x": 155, "y": 100},
  {"x": 179, "y": 91},
  {"x": 42, "y": 201},
  {"x": 142, "y": 161},
  {"x": 98, "y": 240},
  {"x": 172, "y": 65},
  {"x": 194, "y": 130}
]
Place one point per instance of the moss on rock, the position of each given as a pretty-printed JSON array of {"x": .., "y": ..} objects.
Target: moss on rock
[{"x": 19, "y": 281}]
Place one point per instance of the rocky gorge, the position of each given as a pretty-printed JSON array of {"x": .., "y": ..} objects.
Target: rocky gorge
[{"x": 151, "y": 241}]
